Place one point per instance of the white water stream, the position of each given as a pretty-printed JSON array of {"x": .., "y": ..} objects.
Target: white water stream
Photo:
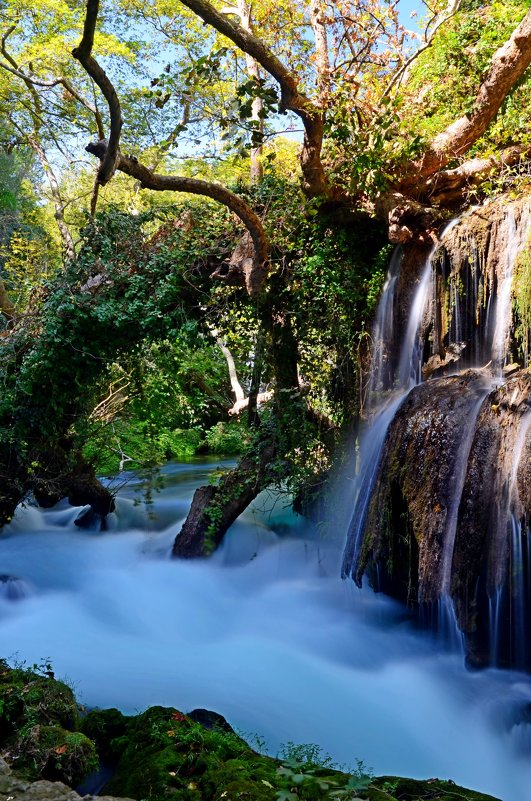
[{"x": 264, "y": 633}]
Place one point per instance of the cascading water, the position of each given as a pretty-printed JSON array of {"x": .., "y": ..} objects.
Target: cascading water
[
  {"x": 466, "y": 319},
  {"x": 510, "y": 601},
  {"x": 503, "y": 300},
  {"x": 381, "y": 377},
  {"x": 264, "y": 633},
  {"x": 383, "y": 411}
]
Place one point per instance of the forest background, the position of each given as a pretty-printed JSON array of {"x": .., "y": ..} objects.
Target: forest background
[{"x": 206, "y": 284}]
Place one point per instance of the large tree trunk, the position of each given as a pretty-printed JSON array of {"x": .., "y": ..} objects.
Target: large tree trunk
[
  {"x": 508, "y": 65},
  {"x": 214, "y": 509}
]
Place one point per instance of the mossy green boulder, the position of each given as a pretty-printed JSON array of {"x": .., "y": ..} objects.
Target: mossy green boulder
[
  {"x": 165, "y": 755},
  {"x": 39, "y": 727}
]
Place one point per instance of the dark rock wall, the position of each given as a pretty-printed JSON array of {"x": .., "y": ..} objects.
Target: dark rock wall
[{"x": 450, "y": 513}]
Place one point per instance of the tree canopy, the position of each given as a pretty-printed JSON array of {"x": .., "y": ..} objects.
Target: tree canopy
[{"x": 310, "y": 135}]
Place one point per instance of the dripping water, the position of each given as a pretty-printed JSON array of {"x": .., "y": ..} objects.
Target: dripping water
[
  {"x": 509, "y": 602},
  {"x": 410, "y": 363},
  {"x": 409, "y": 374},
  {"x": 503, "y": 300}
]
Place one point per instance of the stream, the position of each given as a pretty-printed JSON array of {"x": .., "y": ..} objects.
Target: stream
[{"x": 265, "y": 633}]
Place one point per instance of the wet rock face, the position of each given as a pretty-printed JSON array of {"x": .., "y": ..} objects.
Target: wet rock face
[
  {"x": 414, "y": 498},
  {"x": 452, "y": 494},
  {"x": 490, "y": 563},
  {"x": 448, "y": 524},
  {"x": 471, "y": 268}
]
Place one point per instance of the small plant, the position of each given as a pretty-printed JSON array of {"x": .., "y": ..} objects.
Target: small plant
[{"x": 306, "y": 769}]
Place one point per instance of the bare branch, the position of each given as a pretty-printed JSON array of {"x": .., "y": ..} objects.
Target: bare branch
[
  {"x": 317, "y": 21},
  {"x": 62, "y": 81},
  {"x": 161, "y": 183},
  {"x": 83, "y": 54},
  {"x": 68, "y": 242},
  {"x": 236, "y": 387},
  {"x": 449, "y": 13},
  {"x": 291, "y": 99}
]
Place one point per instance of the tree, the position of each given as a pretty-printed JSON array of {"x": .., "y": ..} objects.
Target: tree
[{"x": 347, "y": 84}]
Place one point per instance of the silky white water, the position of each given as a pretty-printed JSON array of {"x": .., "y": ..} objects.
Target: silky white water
[{"x": 264, "y": 633}]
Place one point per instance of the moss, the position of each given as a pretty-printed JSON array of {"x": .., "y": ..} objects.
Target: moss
[
  {"x": 164, "y": 755},
  {"x": 53, "y": 753},
  {"x": 39, "y": 722},
  {"x": 522, "y": 299},
  {"x": 27, "y": 698},
  {"x": 393, "y": 788},
  {"x": 105, "y": 727}
]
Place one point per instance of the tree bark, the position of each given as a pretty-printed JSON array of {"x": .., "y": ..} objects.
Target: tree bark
[
  {"x": 66, "y": 236},
  {"x": 314, "y": 179},
  {"x": 253, "y": 279},
  {"x": 508, "y": 65},
  {"x": 214, "y": 509},
  {"x": 83, "y": 54},
  {"x": 446, "y": 188},
  {"x": 317, "y": 21},
  {"x": 253, "y": 70}
]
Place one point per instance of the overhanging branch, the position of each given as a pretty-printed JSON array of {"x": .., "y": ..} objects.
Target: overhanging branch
[
  {"x": 508, "y": 65},
  {"x": 291, "y": 99},
  {"x": 83, "y": 54},
  {"x": 161, "y": 183}
]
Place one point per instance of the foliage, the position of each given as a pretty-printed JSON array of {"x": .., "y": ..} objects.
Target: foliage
[
  {"x": 447, "y": 76},
  {"x": 522, "y": 301},
  {"x": 28, "y": 238},
  {"x": 227, "y": 439},
  {"x": 163, "y": 754}
]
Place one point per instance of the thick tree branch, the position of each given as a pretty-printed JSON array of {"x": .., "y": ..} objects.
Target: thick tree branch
[
  {"x": 508, "y": 65},
  {"x": 446, "y": 187},
  {"x": 317, "y": 21},
  {"x": 236, "y": 387},
  {"x": 83, "y": 54},
  {"x": 161, "y": 183},
  {"x": 257, "y": 108},
  {"x": 291, "y": 99}
]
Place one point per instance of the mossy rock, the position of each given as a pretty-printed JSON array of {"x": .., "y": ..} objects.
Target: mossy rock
[
  {"x": 39, "y": 722},
  {"x": 393, "y": 788},
  {"x": 106, "y": 727},
  {"x": 53, "y": 753},
  {"x": 164, "y": 755},
  {"x": 28, "y": 698}
]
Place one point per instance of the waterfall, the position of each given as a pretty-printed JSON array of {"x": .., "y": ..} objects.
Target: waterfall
[
  {"x": 410, "y": 364},
  {"x": 408, "y": 375},
  {"x": 460, "y": 315},
  {"x": 459, "y": 474},
  {"x": 503, "y": 300},
  {"x": 381, "y": 377},
  {"x": 510, "y": 600}
]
